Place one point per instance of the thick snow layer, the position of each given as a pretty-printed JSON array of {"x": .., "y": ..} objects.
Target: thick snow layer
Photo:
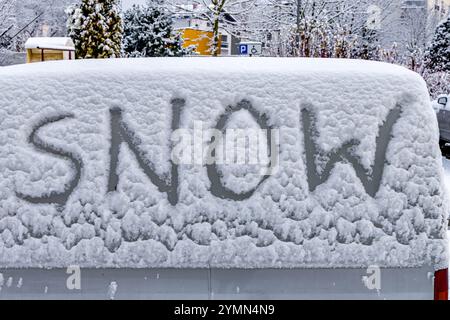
[
  {"x": 49, "y": 43},
  {"x": 285, "y": 223}
]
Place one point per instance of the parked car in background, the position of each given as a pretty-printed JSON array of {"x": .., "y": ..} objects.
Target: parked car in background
[
  {"x": 442, "y": 108},
  {"x": 441, "y": 102}
]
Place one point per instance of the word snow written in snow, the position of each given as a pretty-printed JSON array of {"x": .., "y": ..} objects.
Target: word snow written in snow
[{"x": 247, "y": 147}]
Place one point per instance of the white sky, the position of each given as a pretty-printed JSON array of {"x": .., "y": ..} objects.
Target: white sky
[{"x": 128, "y": 3}]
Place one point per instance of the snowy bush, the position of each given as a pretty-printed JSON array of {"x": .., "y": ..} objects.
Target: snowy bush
[
  {"x": 95, "y": 27},
  {"x": 438, "y": 83},
  {"x": 437, "y": 57},
  {"x": 148, "y": 32}
]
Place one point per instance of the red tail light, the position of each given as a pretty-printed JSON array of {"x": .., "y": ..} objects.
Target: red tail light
[{"x": 441, "y": 285}]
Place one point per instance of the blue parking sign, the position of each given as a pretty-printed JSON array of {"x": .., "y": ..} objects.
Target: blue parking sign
[{"x": 243, "y": 49}]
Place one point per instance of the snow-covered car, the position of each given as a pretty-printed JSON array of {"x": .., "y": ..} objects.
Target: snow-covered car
[
  {"x": 220, "y": 178},
  {"x": 442, "y": 108},
  {"x": 440, "y": 103}
]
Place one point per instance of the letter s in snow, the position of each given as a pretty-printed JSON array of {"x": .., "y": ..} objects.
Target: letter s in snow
[{"x": 59, "y": 198}]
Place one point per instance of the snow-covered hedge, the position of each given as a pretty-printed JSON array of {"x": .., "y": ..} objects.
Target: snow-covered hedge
[
  {"x": 86, "y": 175},
  {"x": 8, "y": 58}
]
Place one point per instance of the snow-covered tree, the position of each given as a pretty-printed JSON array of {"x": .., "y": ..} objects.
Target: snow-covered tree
[
  {"x": 96, "y": 29},
  {"x": 30, "y": 18},
  {"x": 51, "y": 21},
  {"x": 6, "y": 24},
  {"x": 6, "y": 21},
  {"x": 437, "y": 56},
  {"x": 413, "y": 58},
  {"x": 437, "y": 82},
  {"x": 366, "y": 46},
  {"x": 313, "y": 28},
  {"x": 390, "y": 55},
  {"x": 148, "y": 32},
  {"x": 6, "y": 7},
  {"x": 220, "y": 14}
]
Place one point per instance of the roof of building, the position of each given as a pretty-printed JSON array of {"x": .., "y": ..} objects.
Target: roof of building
[{"x": 56, "y": 43}]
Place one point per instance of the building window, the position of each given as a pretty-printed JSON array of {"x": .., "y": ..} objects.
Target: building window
[{"x": 224, "y": 41}]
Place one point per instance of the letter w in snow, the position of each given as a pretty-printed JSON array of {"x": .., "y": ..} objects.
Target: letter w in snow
[{"x": 371, "y": 179}]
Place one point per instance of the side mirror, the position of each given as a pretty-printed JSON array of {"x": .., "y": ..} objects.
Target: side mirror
[{"x": 442, "y": 101}]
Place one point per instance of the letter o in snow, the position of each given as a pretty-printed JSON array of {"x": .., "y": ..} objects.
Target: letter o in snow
[{"x": 217, "y": 187}]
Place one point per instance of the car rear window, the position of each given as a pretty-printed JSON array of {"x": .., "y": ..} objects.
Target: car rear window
[{"x": 129, "y": 163}]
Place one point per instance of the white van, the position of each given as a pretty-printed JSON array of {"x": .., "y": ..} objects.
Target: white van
[{"x": 199, "y": 178}]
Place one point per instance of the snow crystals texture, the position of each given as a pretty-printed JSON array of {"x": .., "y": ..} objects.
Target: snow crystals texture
[{"x": 283, "y": 225}]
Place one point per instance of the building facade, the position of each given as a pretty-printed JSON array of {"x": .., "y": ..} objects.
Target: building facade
[
  {"x": 411, "y": 23},
  {"x": 439, "y": 7},
  {"x": 198, "y": 32}
]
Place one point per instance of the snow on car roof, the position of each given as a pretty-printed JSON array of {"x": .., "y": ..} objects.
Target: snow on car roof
[
  {"x": 230, "y": 65},
  {"x": 86, "y": 175}
]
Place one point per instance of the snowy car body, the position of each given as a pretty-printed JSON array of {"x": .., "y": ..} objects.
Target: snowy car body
[
  {"x": 442, "y": 108},
  {"x": 96, "y": 201},
  {"x": 440, "y": 102}
]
